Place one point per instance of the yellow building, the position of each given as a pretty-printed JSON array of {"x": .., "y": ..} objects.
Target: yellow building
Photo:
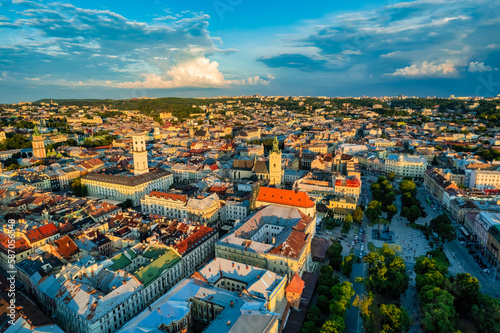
[
  {"x": 275, "y": 238},
  {"x": 275, "y": 170}
]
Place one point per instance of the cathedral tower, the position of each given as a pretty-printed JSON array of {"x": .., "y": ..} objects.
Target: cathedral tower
[
  {"x": 275, "y": 172},
  {"x": 140, "y": 153},
  {"x": 38, "y": 145}
]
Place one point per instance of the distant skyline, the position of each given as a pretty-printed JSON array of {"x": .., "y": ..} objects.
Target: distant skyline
[{"x": 126, "y": 49}]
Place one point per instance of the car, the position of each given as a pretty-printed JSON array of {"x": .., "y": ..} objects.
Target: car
[
  {"x": 356, "y": 237},
  {"x": 352, "y": 243}
]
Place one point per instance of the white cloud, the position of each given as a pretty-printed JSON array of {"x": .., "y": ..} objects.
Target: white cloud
[
  {"x": 479, "y": 67},
  {"x": 428, "y": 69},
  {"x": 199, "y": 73}
]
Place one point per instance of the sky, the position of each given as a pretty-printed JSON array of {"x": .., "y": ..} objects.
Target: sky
[{"x": 194, "y": 48}]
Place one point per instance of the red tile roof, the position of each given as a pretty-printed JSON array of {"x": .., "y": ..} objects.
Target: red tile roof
[
  {"x": 66, "y": 247},
  {"x": 354, "y": 182},
  {"x": 171, "y": 196},
  {"x": 20, "y": 245},
  {"x": 42, "y": 232},
  {"x": 296, "y": 285},
  {"x": 194, "y": 239},
  {"x": 285, "y": 197}
]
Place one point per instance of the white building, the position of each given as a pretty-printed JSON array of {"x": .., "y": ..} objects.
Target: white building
[
  {"x": 91, "y": 299},
  {"x": 121, "y": 188},
  {"x": 484, "y": 221},
  {"x": 204, "y": 210},
  {"x": 484, "y": 180},
  {"x": 234, "y": 210},
  {"x": 194, "y": 300},
  {"x": 157, "y": 267},
  {"x": 406, "y": 166},
  {"x": 140, "y": 153},
  {"x": 170, "y": 205}
]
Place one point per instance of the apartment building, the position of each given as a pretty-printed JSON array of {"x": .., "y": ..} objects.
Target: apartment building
[
  {"x": 277, "y": 238},
  {"x": 406, "y": 166},
  {"x": 91, "y": 299},
  {"x": 483, "y": 179},
  {"x": 121, "y": 188}
]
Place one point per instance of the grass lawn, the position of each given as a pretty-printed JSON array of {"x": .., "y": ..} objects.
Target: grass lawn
[
  {"x": 440, "y": 257},
  {"x": 372, "y": 247}
]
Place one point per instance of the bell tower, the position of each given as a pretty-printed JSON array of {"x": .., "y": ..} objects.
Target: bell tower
[
  {"x": 139, "y": 153},
  {"x": 38, "y": 145},
  {"x": 275, "y": 172}
]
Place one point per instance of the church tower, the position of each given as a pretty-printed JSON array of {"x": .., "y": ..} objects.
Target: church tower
[
  {"x": 157, "y": 133},
  {"x": 38, "y": 145},
  {"x": 275, "y": 172},
  {"x": 140, "y": 153}
]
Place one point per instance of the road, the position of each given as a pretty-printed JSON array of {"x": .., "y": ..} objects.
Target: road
[
  {"x": 353, "y": 321},
  {"x": 460, "y": 259}
]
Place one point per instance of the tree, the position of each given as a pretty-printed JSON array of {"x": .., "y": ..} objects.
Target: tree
[
  {"x": 341, "y": 298},
  {"x": 441, "y": 225},
  {"x": 391, "y": 176},
  {"x": 347, "y": 224},
  {"x": 439, "y": 312},
  {"x": 309, "y": 327},
  {"x": 408, "y": 186},
  {"x": 413, "y": 214},
  {"x": 466, "y": 290},
  {"x": 323, "y": 290},
  {"x": 363, "y": 304},
  {"x": 374, "y": 210},
  {"x": 335, "y": 254},
  {"x": 347, "y": 265},
  {"x": 335, "y": 324},
  {"x": 358, "y": 215},
  {"x": 486, "y": 314},
  {"x": 323, "y": 302},
  {"x": 126, "y": 204},
  {"x": 313, "y": 314},
  {"x": 395, "y": 319},
  {"x": 327, "y": 280},
  {"x": 78, "y": 188},
  {"x": 392, "y": 210},
  {"x": 327, "y": 269}
]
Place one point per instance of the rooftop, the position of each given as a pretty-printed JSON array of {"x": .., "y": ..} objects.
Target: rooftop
[
  {"x": 176, "y": 304},
  {"x": 285, "y": 197}
]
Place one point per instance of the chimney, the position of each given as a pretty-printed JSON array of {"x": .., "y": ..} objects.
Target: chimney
[
  {"x": 233, "y": 264},
  {"x": 232, "y": 303},
  {"x": 228, "y": 322}
]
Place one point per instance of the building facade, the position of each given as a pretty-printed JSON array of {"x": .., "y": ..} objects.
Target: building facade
[
  {"x": 38, "y": 145},
  {"x": 406, "y": 166},
  {"x": 275, "y": 171},
  {"x": 140, "y": 153},
  {"x": 121, "y": 188}
]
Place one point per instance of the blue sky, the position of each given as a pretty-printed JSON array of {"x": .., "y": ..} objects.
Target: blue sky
[{"x": 125, "y": 49}]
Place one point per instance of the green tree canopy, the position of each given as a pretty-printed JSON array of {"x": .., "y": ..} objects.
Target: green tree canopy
[
  {"x": 442, "y": 226},
  {"x": 395, "y": 319}
]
